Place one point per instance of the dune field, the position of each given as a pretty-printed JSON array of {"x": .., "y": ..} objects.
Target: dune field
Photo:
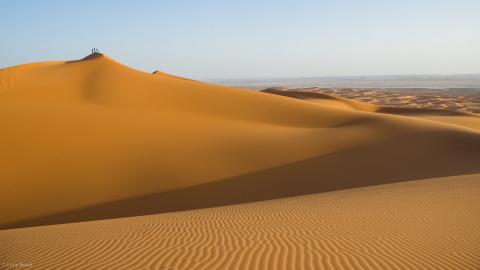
[
  {"x": 447, "y": 99},
  {"x": 422, "y": 109},
  {"x": 156, "y": 171}
]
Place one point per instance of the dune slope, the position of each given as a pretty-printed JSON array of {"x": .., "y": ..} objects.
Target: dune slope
[
  {"x": 79, "y": 137},
  {"x": 428, "y": 224}
]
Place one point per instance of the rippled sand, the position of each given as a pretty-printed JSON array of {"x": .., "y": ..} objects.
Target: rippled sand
[{"x": 429, "y": 224}]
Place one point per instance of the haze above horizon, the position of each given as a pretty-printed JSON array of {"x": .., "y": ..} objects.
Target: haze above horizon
[{"x": 250, "y": 39}]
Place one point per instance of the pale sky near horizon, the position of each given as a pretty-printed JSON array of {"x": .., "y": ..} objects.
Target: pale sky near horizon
[{"x": 250, "y": 39}]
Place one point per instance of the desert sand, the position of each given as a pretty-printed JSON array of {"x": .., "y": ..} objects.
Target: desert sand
[
  {"x": 426, "y": 224},
  {"x": 93, "y": 139}
]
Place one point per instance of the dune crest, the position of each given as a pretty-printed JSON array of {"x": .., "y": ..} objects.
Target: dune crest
[
  {"x": 94, "y": 133},
  {"x": 164, "y": 74}
]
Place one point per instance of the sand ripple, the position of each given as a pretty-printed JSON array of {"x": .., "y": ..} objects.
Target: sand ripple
[{"x": 429, "y": 224}]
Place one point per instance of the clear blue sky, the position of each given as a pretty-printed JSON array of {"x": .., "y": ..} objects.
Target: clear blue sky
[{"x": 250, "y": 38}]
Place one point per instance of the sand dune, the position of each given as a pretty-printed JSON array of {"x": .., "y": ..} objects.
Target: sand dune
[
  {"x": 429, "y": 224},
  {"x": 459, "y": 118},
  {"x": 93, "y": 139}
]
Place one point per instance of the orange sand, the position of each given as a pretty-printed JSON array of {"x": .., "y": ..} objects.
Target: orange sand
[
  {"x": 428, "y": 224},
  {"x": 81, "y": 135},
  {"x": 93, "y": 139}
]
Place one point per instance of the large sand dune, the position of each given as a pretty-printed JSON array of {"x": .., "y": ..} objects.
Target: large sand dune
[
  {"x": 94, "y": 139},
  {"x": 429, "y": 224}
]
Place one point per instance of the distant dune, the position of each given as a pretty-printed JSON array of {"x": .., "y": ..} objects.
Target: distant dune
[
  {"x": 428, "y": 224},
  {"x": 94, "y": 139},
  {"x": 458, "y": 118}
]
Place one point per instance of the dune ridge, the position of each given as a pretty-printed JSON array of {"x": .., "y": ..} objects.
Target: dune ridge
[{"x": 427, "y": 224}]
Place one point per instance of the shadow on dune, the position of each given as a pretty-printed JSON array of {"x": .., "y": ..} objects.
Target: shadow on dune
[
  {"x": 420, "y": 111},
  {"x": 357, "y": 167},
  {"x": 299, "y": 94}
]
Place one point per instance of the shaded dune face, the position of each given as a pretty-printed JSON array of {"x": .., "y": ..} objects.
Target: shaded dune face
[{"x": 94, "y": 139}]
